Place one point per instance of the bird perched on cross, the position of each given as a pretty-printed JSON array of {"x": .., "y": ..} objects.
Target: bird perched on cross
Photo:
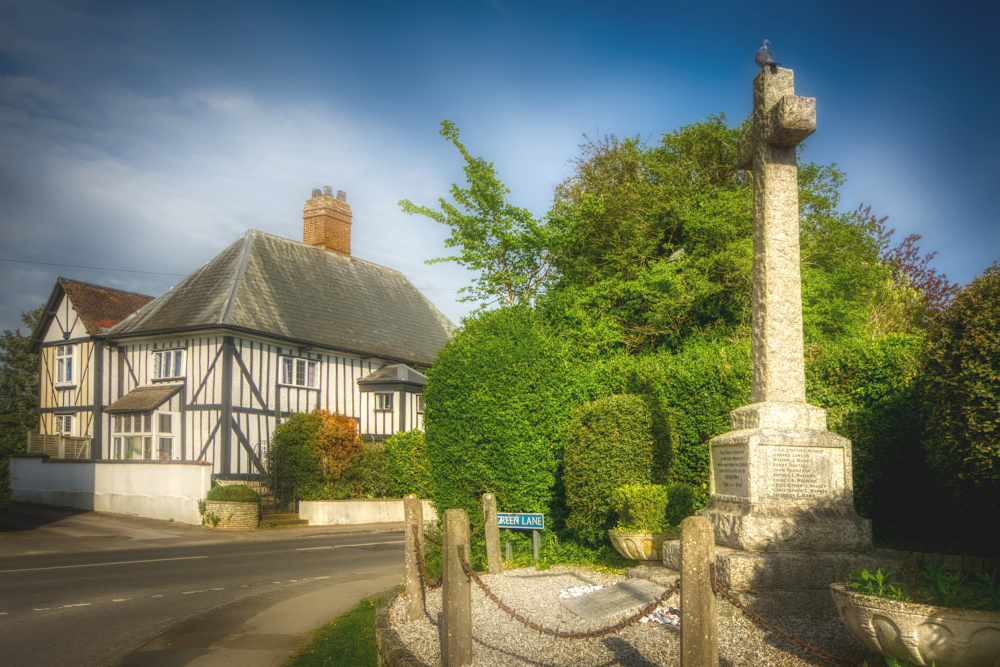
[{"x": 764, "y": 56}]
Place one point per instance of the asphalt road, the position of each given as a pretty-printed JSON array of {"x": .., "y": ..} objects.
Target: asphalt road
[{"x": 89, "y": 609}]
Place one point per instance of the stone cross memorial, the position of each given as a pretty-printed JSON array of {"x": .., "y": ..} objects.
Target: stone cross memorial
[{"x": 780, "y": 481}]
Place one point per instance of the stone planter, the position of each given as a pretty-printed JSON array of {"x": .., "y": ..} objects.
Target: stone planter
[
  {"x": 645, "y": 547},
  {"x": 232, "y": 516},
  {"x": 921, "y": 633}
]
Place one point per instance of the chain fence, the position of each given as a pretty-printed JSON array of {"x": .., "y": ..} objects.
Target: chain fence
[
  {"x": 422, "y": 566},
  {"x": 788, "y": 637},
  {"x": 563, "y": 634}
]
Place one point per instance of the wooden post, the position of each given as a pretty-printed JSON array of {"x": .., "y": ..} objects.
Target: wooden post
[
  {"x": 699, "y": 623},
  {"x": 414, "y": 511},
  {"x": 492, "y": 531},
  {"x": 456, "y": 599}
]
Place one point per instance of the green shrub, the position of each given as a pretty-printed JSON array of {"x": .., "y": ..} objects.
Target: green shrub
[
  {"x": 294, "y": 467},
  {"x": 233, "y": 493},
  {"x": 498, "y": 403},
  {"x": 408, "y": 460},
  {"x": 680, "y": 503},
  {"x": 641, "y": 508},
  {"x": 5, "y": 493},
  {"x": 610, "y": 444},
  {"x": 374, "y": 472},
  {"x": 963, "y": 398}
]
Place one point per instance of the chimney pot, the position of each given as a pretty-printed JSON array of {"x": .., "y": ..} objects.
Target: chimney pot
[
  {"x": 326, "y": 222},
  {"x": 341, "y": 196},
  {"x": 327, "y": 191},
  {"x": 316, "y": 193}
]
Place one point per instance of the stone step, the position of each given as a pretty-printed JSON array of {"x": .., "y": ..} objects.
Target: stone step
[
  {"x": 282, "y": 521},
  {"x": 280, "y": 516}
]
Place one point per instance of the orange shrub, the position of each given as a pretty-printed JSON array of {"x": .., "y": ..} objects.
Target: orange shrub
[{"x": 338, "y": 442}]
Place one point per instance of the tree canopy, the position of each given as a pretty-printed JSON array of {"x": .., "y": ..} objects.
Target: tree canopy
[{"x": 18, "y": 386}]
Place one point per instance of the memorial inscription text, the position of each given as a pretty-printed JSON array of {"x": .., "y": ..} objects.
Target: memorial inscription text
[
  {"x": 800, "y": 472},
  {"x": 731, "y": 471}
]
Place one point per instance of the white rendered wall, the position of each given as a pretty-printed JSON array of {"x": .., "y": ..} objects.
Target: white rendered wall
[
  {"x": 152, "y": 490},
  {"x": 355, "y": 512}
]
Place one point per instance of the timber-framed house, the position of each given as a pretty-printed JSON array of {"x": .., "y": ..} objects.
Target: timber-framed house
[{"x": 266, "y": 328}]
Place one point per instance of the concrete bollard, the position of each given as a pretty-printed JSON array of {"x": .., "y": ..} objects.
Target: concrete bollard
[
  {"x": 456, "y": 600},
  {"x": 414, "y": 511},
  {"x": 699, "y": 622},
  {"x": 492, "y": 530}
]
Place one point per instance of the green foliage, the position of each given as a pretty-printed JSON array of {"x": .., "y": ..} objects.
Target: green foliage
[
  {"x": 294, "y": 466},
  {"x": 348, "y": 641},
  {"x": 374, "y": 472},
  {"x": 504, "y": 243},
  {"x": 18, "y": 386},
  {"x": 5, "y": 493},
  {"x": 680, "y": 503},
  {"x": 641, "y": 508},
  {"x": 408, "y": 460},
  {"x": 498, "y": 404},
  {"x": 233, "y": 493},
  {"x": 610, "y": 444},
  {"x": 963, "y": 397},
  {"x": 876, "y": 584}
]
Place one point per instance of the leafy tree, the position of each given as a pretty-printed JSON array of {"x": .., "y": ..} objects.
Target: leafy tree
[
  {"x": 337, "y": 442},
  {"x": 963, "y": 395},
  {"x": 504, "y": 243},
  {"x": 18, "y": 386}
]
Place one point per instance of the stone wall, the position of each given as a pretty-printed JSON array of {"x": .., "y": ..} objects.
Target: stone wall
[{"x": 232, "y": 516}]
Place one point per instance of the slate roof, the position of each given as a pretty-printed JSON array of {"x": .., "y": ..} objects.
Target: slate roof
[
  {"x": 304, "y": 294},
  {"x": 395, "y": 374},
  {"x": 144, "y": 399},
  {"x": 100, "y": 308}
]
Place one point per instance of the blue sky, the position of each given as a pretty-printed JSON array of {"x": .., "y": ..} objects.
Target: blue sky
[{"x": 147, "y": 136}]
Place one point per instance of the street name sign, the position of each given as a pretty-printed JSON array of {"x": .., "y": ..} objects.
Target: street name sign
[{"x": 515, "y": 521}]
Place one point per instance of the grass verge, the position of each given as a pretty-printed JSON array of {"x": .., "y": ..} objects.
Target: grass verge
[{"x": 348, "y": 641}]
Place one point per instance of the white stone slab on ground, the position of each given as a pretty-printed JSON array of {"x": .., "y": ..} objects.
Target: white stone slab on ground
[{"x": 631, "y": 595}]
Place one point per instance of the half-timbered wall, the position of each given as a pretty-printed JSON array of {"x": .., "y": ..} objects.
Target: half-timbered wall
[
  {"x": 220, "y": 421},
  {"x": 74, "y": 398}
]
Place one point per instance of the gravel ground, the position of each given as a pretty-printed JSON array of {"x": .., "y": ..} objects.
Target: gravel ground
[{"x": 501, "y": 641}]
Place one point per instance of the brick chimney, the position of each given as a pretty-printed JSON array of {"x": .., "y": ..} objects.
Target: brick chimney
[{"x": 326, "y": 222}]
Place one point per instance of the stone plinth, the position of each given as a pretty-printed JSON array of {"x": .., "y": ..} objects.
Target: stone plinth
[
  {"x": 790, "y": 583},
  {"x": 781, "y": 482}
]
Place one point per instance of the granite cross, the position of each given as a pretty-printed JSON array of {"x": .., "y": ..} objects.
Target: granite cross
[{"x": 781, "y": 120}]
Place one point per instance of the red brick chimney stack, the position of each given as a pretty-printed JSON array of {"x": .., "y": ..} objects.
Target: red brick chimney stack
[{"x": 326, "y": 222}]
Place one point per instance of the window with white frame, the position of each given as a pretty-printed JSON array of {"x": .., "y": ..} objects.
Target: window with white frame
[
  {"x": 168, "y": 364},
  {"x": 64, "y": 425},
  {"x": 65, "y": 365},
  {"x": 132, "y": 435},
  {"x": 420, "y": 404},
  {"x": 383, "y": 402},
  {"x": 164, "y": 436},
  {"x": 299, "y": 372}
]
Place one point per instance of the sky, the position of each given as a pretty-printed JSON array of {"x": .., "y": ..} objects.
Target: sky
[{"x": 139, "y": 139}]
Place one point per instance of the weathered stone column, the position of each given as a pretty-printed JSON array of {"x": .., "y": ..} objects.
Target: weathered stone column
[
  {"x": 699, "y": 621},
  {"x": 492, "y": 531},
  {"x": 414, "y": 511},
  {"x": 456, "y": 600}
]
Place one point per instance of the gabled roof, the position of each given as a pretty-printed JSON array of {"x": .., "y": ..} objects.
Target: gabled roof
[
  {"x": 144, "y": 399},
  {"x": 303, "y": 294},
  {"x": 394, "y": 374},
  {"x": 99, "y": 308}
]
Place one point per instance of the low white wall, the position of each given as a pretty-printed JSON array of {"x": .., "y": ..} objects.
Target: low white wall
[
  {"x": 354, "y": 512},
  {"x": 150, "y": 489}
]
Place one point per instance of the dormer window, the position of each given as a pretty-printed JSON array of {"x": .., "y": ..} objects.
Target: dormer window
[
  {"x": 168, "y": 364},
  {"x": 299, "y": 372},
  {"x": 65, "y": 365}
]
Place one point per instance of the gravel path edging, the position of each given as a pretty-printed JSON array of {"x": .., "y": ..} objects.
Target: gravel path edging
[{"x": 392, "y": 652}]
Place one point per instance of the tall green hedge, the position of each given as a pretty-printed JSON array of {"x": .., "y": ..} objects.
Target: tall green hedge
[
  {"x": 963, "y": 399},
  {"x": 294, "y": 466},
  {"x": 610, "y": 444},
  {"x": 408, "y": 463},
  {"x": 498, "y": 403}
]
